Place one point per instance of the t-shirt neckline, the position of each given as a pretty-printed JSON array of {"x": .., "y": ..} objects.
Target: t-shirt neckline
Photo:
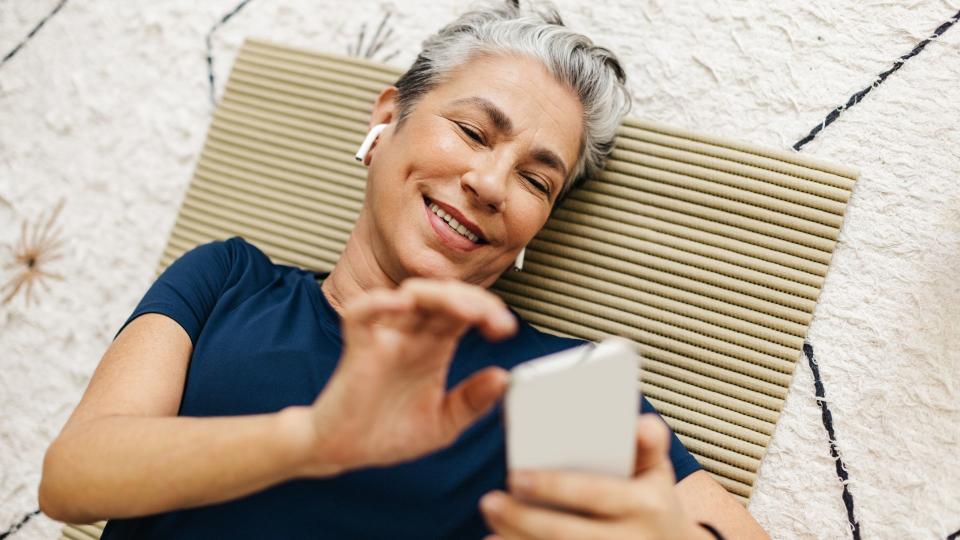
[{"x": 329, "y": 316}]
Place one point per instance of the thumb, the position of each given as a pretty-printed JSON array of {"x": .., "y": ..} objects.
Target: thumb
[
  {"x": 472, "y": 398},
  {"x": 653, "y": 445}
]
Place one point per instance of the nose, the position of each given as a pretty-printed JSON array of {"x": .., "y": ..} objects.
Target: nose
[{"x": 486, "y": 183}]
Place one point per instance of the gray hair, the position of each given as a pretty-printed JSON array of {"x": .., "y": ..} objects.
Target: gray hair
[{"x": 593, "y": 72}]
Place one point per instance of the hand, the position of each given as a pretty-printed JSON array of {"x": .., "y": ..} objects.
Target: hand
[
  {"x": 387, "y": 401},
  {"x": 589, "y": 506}
]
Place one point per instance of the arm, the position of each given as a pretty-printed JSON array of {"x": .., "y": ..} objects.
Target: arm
[
  {"x": 125, "y": 435},
  {"x": 124, "y": 452},
  {"x": 704, "y": 499}
]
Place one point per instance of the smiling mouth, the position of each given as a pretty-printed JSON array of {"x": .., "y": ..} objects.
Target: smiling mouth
[{"x": 453, "y": 224}]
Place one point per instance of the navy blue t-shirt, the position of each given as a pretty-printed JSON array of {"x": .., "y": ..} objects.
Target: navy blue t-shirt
[{"x": 264, "y": 338}]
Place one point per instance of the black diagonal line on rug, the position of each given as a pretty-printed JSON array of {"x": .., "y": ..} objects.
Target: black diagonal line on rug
[
  {"x": 831, "y": 435},
  {"x": 32, "y": 33},
  {"x": 16, "y": 526},
  {"x": 209, "y": 41},
  {"x": 954, "y": 536},
  {"x": 856, "y": 98}
]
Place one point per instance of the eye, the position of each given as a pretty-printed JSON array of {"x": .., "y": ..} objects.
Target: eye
[
  {"x": 540, "y": 186},
  {"x": 471, "y": 133}
]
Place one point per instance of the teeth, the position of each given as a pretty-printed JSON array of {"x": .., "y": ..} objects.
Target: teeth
[{"x": 454, "y": 224}]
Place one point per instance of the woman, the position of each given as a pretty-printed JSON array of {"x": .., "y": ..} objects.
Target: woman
[{"x": 243, "y": 400}]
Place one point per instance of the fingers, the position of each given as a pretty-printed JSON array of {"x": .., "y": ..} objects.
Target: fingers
[
  {"x": 458, "y": 302},
  {"x": 472, "y": 398},
  {"x": 577, "y": 491},
  {"x": 511, "y": 518},
  {"x": 604, "y": 495},
  {"x": 653, "y": 446},
  {"x": 373, "y": 305},
  {"x": 440, "y": 306}
]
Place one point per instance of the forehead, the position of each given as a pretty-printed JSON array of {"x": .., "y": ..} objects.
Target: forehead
[{"x": 541, "y": 110}]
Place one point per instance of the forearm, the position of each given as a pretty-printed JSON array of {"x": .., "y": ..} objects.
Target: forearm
[
  {"x": 122, "y": 466},
  {"x": 705, "y": 500}
]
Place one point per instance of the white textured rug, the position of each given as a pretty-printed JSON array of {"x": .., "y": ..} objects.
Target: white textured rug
[{"x": 105, "y": 106}]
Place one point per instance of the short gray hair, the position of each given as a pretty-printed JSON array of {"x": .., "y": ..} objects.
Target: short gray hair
[{"x": 593, "y": 72}]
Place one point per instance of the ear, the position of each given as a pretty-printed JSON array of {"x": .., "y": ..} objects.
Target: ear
[
  {"x": 384, "y": 112},
  {"x": 385, "y": 107}
]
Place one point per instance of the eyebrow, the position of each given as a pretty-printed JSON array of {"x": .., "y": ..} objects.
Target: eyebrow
[
  {"x": 503, "y": 124},
  {"x": 552, "y": 160},
  {"x": 494, "y": 113}
]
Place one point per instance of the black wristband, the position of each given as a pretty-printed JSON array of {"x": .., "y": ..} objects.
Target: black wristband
[{"x": 710, "y": 529}]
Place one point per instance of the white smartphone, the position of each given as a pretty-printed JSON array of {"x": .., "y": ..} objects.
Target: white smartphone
[{"x": 575, "y": 410}]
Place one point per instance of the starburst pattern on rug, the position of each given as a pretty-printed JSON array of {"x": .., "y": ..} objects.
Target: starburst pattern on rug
[
  {"x": 377, "y": 41},
  {"x": 40, "y": 244}
]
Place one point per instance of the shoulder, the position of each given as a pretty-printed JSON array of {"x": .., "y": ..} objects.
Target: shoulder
[
  {"x": 218, "y": 252},
  {"x": 210, "y": 270},
  {"x": 239, "y": 250},
  {"x": 530, "y": 342},
  {"x": 551, "y": 343},
  {"x": 233, "y": 255}
]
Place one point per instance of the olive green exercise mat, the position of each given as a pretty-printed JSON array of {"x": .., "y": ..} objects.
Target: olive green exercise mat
[
  {"x": 83, "y": 532},
  {"x": 708, "y": 252}
]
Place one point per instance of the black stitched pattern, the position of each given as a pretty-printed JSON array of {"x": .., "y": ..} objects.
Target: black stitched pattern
[
  {"x": 209, "y": 39},
  {"x": 16, "y": 526},
  {"x": 32, "y": 33},
  {"x": 856, "y": 98},
  {"x": 831, "y": 435}
]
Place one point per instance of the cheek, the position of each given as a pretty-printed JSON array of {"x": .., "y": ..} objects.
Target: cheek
[
  {"x": 436, "y": 152},
  {"x": 524, "y": 221},
  {"x": 428, "y": 154}
]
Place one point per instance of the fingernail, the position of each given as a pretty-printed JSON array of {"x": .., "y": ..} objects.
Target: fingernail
[
  {"x": 491, "y": 502},
  {"x": 521, "y": 482},
  {"x": 507, "y": 319}
]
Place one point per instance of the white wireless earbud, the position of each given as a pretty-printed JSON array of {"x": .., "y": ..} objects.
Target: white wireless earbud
[
  {"x": 368, "y": 141},
  {"x": 518, "y": 263}
]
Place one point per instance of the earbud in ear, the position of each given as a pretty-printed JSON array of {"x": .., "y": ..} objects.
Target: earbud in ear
[
  {"x": 518, "y": 262},
  {"x": 368, "y": 141}
]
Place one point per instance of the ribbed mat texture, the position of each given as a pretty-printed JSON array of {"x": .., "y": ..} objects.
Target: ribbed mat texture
[
  {"x": 83, "y": 532},
  {"x": 707, "y": 252}
]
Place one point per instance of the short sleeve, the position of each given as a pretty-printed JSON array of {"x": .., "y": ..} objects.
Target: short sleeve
[
  {"x": 684, "y": 464},
  {"x": 189, "y": 288}
]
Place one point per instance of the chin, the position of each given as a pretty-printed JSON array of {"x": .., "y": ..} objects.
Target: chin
[{"x": 427, "y": 263}]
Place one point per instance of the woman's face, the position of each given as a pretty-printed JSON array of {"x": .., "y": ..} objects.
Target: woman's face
[{"x": 492, "y": 147}]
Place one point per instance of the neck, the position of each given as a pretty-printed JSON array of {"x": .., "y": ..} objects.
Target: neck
[{"x": 357, "y": 270}]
